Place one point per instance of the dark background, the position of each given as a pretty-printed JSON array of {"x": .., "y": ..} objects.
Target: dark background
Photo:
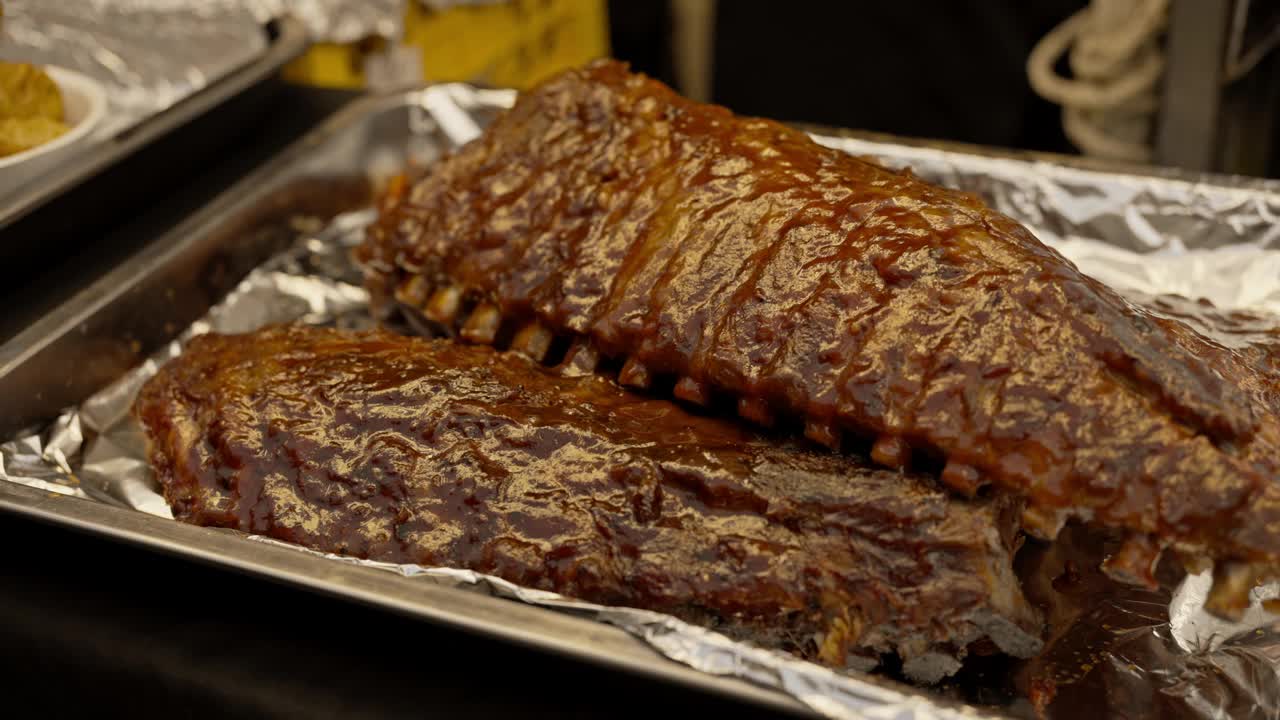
[{"x": 923, "y": 68}]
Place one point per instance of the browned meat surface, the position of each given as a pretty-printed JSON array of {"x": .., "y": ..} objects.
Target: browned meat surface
[
  {"x": 739, "y": 257},
  {"x": 1242, "y": 345},
  {"x": 407, "y": 450}
]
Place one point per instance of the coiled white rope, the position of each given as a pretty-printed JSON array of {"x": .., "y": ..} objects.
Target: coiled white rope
[{"x": 1115, "y": 56}]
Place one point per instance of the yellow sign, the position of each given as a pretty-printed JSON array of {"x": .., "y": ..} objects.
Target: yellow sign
[{"x": 505, "y": 44}]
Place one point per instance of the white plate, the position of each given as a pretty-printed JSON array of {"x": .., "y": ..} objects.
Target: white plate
[{"x": 84, "y": 105}]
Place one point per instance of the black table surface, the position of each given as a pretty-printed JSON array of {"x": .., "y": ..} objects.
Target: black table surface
[{"x": 88, "y": 624}]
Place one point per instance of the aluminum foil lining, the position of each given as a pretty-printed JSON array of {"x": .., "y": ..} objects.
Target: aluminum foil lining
[{"x": 1137, "y": 233}]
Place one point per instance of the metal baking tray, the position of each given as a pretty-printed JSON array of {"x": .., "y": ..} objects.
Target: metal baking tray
[
  {"x": 113, "y": 324},
  {"x": 287, "y": 38}
]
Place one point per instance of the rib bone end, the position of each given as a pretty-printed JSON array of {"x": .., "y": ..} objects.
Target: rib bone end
[
  {"x": 891, "y": 451},
  {"x": 443, "y": 305},
  {"x": 483, "y": 325},
  {"x": 692, "y": 391},
  {"x": 823, "y": 432},
  {"x": 1135, "y": 562},
  {"x": 635, "y": 374},
  {"x": 962, "y": 478},
  {"x": 533, "y": 340},
  {"x": 581, "y": 359},
  {"x": 1229, "y": 596}
]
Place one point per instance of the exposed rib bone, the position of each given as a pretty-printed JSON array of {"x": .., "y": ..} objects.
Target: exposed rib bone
[
  {"x": 443, "y": 305},
  {"x": 823, "y": 432},
  {"x": 413, "y": 292},
  {"x": 1229, "y": 596},
  {"x": 962, "y": 478},
  {"x": 891, "y": 451},
  {"x": 483, "y": 325},
  {"x": 635, "y": 374},
  {"x": 1135, "y": 562},
  {"x": 1044, "y": 524},
  {"x": 533, "y": 340},
  {"x": 693, "y": 391},
  {"x": 581, "y": 359}
]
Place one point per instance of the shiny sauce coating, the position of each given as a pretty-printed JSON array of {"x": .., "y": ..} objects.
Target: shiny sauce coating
[
  {"x": 405, "y": 450},
  {"x": 738, "y": 255}
]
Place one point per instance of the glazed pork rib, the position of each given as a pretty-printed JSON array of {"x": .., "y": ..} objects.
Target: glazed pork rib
[
  {"x": 406, "y": 450},
  {"x": 738, "y": 257}
]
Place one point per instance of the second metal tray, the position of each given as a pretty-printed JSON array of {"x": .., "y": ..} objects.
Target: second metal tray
[{"x": 287, "y": 38}]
